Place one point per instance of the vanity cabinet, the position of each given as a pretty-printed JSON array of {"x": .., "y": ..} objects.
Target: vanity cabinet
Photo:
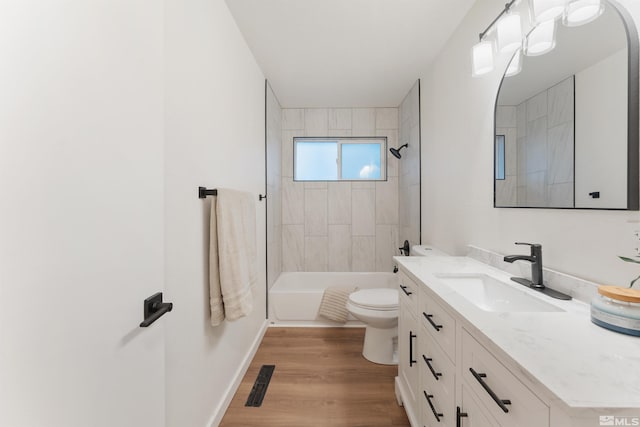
[
  {"x": 447, "y": 378},
  {"x": 408, "y": 340}
]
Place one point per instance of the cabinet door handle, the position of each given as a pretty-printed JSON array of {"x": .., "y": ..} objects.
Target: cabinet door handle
[
  {"x": 434, "y": 324},
  {"x": 433, "y": 409},
  {"x": 428, "y": 360},
  {"x": 411, "y": 337},
  {"x": 404, "y": 289},
  {"x": 500, "y": 402},
  {"x": 459, "y": 416}
]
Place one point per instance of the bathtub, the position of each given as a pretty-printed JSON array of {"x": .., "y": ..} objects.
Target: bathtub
[{"x": 295, "y": 297}]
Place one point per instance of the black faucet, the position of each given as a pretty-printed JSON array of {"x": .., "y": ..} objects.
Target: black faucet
[
  {"x": 405, "y": 248},
  {"x": 535, "y": 258},
  {"x": 536, "y": 264}
]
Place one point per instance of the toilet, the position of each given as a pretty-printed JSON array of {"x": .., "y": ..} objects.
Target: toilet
[{"x": 378, "y": 310}]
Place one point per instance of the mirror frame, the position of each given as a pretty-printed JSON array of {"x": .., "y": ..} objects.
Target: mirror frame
[{"x": 633, "y": 120}]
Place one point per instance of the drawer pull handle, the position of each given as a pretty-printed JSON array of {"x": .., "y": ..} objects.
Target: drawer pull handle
[
  {"x": 404, "y": 289},
  {"x": 428, "y": 360},
  {"x": 433, "y": 409},
  {"x": 434, "y": 324},
  {"x": 500, "y": 402},
  {"x": 411, "y": 337},
  {"x": 459, "y": 416}
]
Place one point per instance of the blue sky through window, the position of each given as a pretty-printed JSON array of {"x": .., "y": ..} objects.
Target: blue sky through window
[
  {"x": 339, "y": 159},
  {"x": 317, "y": 160},
  {"x": 361, "y": 161}
]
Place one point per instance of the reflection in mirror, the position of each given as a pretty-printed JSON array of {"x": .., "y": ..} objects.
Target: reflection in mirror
[{"x": 566, "y": 125}]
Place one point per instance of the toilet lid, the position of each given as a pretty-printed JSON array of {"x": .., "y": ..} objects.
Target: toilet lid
[{"x": 376, "y": 299}]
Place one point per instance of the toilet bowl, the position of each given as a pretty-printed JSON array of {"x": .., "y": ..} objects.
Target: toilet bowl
[{"x": 378, "y": 310}]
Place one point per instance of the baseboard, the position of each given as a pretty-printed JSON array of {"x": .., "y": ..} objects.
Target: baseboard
[{"x": 237, "y": 379}]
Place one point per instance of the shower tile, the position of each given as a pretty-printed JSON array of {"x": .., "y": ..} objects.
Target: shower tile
[
  {"x": 536, "y": 145},
  {"x": 315, "y": 212},
  {"x": 339, "y": 203},
  {"x": 506, "y": 192},
  {"x": 316, "y": 122},
  {"x": 322, "y": 185},
  {"x": 521, "y": 119},
  {"x": 292, "y": 118},
  {"x": 363, "y": 185},
  {"x": 339, "y": 248},
  {"x": 560, "y": 102},
  {"x": 363, "y": 121},
  {"x": 386, "y": 118},
  {"x": 387, "y": 244},
  {"x": 363, "y": 253},
  {"x": 392, "y": 142},
  {"x": 292, "y": 201},
  {"x": 537, "y": 106},
  {"x": 511, "y": 152},
  {"x": 561, "y": 195},
  {"x": 363, "y": 215},
  {"x": 560, "y": 154},
  {"x": 293, "y": 248},
  {"x": 287, "y": 151},
  {"x": 387, "y": 201},
  {"x": 339, "y": 118},
  {"x": 315, "y": 253},
  {"x": 506, "y": 116}
]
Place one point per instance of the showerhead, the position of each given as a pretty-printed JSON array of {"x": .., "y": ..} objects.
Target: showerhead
[{"x": 396, "y": 151}]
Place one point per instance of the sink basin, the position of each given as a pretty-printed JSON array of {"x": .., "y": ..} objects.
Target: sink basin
[{"x": 491, "y": 294}]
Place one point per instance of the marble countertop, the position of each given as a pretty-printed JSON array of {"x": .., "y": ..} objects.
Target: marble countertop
[{"x": 571, "y": 360}]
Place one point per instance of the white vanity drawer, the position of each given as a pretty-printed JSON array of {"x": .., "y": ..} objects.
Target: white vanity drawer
[
  {"x": 437, "y": 378},
  {"x": 499, "y": 391},
  {"x": 439, "y": 324},
  {"x": 408, "y": 290},
  {"x": 470, "y": 412}
]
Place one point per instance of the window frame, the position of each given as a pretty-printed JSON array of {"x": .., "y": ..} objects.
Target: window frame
[{"x": 340, "y": 140}]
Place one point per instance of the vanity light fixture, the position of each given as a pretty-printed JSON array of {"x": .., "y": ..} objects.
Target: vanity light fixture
[
  {"x": 541, "y": 39},
  {"x": 509, "y": 31},
  {"x": 579, "y": 12},
  {"x": 482, "y": 52},
  {"x": 482, "y": 58},
  {"x": 515, "y": 66},
  {"x": 544, "y": 10}
]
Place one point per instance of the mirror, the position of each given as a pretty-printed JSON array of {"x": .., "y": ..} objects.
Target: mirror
[{"x": 566, "y": 126}]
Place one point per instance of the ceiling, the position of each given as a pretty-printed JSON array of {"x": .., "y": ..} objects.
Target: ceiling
[{"x": 345, "y": 53}]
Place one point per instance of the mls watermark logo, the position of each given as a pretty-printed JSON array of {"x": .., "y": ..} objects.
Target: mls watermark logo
[{"x": 610, "y": 420}]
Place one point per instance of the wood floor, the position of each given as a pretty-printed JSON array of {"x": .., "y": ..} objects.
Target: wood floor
[{"x": 320, "y": 380}]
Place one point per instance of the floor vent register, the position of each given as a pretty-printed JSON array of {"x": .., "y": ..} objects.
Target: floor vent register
[{"x": 260, "y": 386}]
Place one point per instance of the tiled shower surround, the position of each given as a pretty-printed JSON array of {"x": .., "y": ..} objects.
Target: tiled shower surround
[
  {"x": 339, "y": 226},
  {"x": 538, "y": 149}
]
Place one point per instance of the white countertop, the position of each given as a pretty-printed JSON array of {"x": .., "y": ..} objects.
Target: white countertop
[{"x": 572, "y": 360}]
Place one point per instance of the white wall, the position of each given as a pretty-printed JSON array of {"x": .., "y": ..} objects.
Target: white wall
[
  {"x": 601, "y": 133},
  {"x": 457, "y": 186},
  {"x": 214, "y": 137},
  {"x": 81, "y": 213}
]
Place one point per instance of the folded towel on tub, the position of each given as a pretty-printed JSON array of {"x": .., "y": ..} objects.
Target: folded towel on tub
[{"x": 334, "y": 303}]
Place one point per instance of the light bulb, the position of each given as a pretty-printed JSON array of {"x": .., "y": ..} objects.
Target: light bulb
[
  {"x": 509, "y": 33},
  {"x": 579, "y": 12},
  {"x": 544, "y": 10},
  {"x": 482, "y": 57},
  {"x": 541, "y": 39}
]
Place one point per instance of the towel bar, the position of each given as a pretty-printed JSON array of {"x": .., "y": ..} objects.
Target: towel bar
[{"x": 203, "y": 192}]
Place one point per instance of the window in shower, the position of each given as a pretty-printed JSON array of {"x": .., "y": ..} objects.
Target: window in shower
[{"x": 339, "y": 159}]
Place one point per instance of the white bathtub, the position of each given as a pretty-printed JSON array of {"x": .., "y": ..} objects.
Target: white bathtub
[{"x": 295, "y": 297}]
